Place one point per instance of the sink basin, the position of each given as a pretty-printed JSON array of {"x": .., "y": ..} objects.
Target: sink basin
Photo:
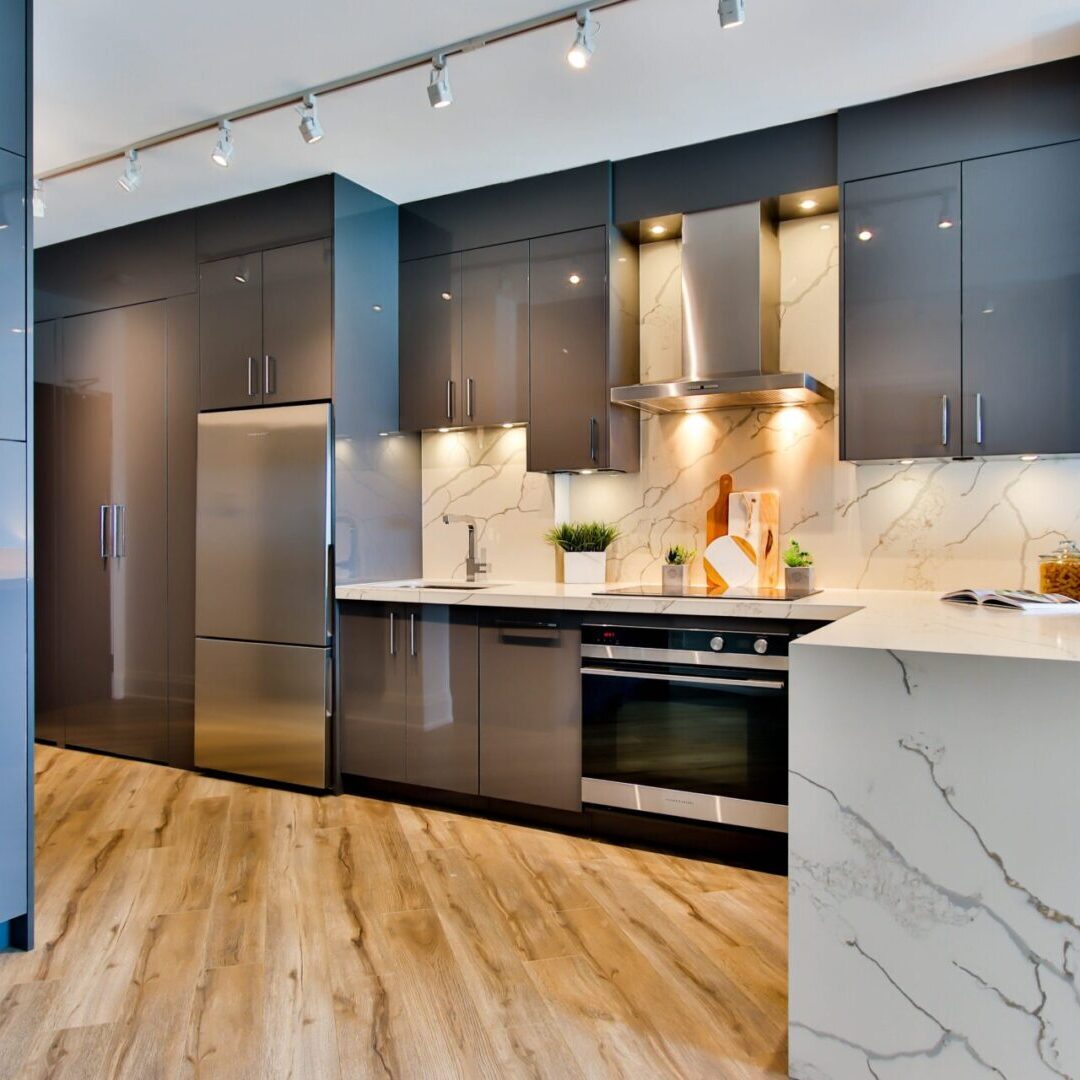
[{"x": 455, "y": 585}]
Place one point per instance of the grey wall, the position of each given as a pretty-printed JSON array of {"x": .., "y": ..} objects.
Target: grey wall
[{"x": 16, "y": 449}]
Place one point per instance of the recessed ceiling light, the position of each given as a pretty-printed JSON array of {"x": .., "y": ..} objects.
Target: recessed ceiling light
[
  {"x": 732, "y": 13},
  {"x": 584, "y": 40},
  {"x": 808, "y": 204},
  {"x": 131, "y": 177},
  {"x": 574, "y": 279},
  {"x": 944, "y": 223},
  {"x": 310, "y": 128},
  {"x": 447, "y": 296},
  {"x": 1029, "y": 457},
  {"x": 865, "y": 234},
  {"x": 439, "y": 93},
  {"x": 376, "y": 307},
  {"x": 223, "y": 151},
  {"x": 657, "y": 230}
]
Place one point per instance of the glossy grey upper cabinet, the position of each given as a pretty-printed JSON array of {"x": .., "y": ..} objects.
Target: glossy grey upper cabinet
[
  {"x": 13, "y": 52},
  {"x": 230, "y": 332},
  {"x": 495, "y": 334},
  {"x": 12, "y": 296},
  {"x": 902, "y": 339},
  {"x": 297, "y": 361},
  {"x": 1022, "y": 302},
  {"x": 568, "y": 395},
  {"x": 430, "y": 343}
]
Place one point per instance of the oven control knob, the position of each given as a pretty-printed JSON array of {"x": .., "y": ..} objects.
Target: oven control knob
[
  {"x": 761, "y": 646},
  {"x": 717, "y": 643}
]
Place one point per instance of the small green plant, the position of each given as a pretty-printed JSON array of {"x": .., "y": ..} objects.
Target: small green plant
[
  {"x": 679, "y": 556},
  {"x": 795, "y": 556},
  {"x": 583, "y": 536}
]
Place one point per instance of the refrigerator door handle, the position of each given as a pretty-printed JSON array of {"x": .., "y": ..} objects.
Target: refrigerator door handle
[
  {"x": 269, "y": 375},
  {"x": 412, "y": 633},
  {"x": 251, "y": 376},
  {"x": 393, "y": 635},
  {"x": 119, "y": 530},
  {"x": 103, "y": 531}
]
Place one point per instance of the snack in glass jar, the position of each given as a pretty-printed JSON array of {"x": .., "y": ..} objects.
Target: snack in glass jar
[{"x": 1059, "y": 571}]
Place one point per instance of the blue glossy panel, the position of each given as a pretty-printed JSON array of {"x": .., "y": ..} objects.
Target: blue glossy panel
[
  {"x": 13, "y": 51},
  {"x": 13, "y": 682},
  {"x": 12, "y": 297}
]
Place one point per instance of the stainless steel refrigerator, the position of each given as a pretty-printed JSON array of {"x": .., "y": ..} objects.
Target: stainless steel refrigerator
[{"x": 263, "y": 669}]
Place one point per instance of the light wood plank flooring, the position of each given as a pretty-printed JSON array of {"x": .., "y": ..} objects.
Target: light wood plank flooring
[{"x": 193, "y": 927}]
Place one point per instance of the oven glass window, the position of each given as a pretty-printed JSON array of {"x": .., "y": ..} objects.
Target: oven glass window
[{"x": 719, "y": 740}]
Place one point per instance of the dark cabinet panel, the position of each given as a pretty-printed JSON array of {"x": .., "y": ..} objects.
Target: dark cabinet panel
[
  {"x": 112, "y": 547},
  {"x": 372, "y": 657},
  {"x": 12, "y": 294},
  {"x": 230, "y": 332},
  {"x": 495, "y": 334},
  {"x": 297, "y": 323},
  {"x": 13, "y": 52},
  {"x": 1021, "y": 315},
  {"x": 902, "y": 360},
  {"x": 530, "y": 710},
  {"x": 430, "y": 343},
  {"x": 568, "y": 366},
  {"x": 441, "y": 744}
]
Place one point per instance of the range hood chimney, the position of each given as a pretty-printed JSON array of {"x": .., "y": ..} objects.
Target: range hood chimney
[{"x": 731, "y": 321}]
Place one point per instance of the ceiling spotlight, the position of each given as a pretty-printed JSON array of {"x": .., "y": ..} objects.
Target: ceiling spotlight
[
  {"x": 732, "y": 13},
  {"x": 223, "y": 151},
  {"x": 39, "y": 199},
  {"x": 808, "y": 204},
  {"x": 310, "y": 128},
  {"x": 584, "y": 40},
  {"x": 439, "y": 93},
  {"x": 131, "y": 177},
  {"x": 865, "y": 234},
  {"x": 574, "y": 279}
]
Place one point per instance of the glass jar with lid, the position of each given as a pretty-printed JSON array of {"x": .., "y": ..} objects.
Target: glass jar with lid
[{"x": 1059, "y": 571}]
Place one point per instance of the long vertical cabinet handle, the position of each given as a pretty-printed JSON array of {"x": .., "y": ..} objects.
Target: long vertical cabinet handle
[
  {"x": 944, "y": 419},
  {"x": 594, "y": 440},
  {"x": 269, "y": 375},
  {"x": 978, "y": 420},
  {"x": 449, "y": 399},
  {"x": 393, "y": 635},
  {"x": 119, "y": 530},
  {"x": 251, "y": 377},
  {"x": 412, "y": 633},
  {"x": 469, "y": 397},
  {"x": 103, "y": 531}
]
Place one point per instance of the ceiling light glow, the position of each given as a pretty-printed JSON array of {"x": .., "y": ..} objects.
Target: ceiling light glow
[
  {"x": 944, "y": 223},
  {"x": 223, "y": 151},
  {"x": 808, "y": 204},
  {"x": 865, "y": 234},
  {"x": 657, "y": 230},
  {"x": 584, "y": 40}
]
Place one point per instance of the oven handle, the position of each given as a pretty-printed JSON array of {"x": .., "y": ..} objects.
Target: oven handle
[{"x": 703, "y": 680}]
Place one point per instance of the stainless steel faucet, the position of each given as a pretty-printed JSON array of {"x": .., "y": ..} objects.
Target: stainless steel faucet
[{"x": 472, "y": 565}]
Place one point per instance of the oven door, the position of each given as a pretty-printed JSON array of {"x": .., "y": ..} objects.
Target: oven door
[{"x": 676, "y": 740}]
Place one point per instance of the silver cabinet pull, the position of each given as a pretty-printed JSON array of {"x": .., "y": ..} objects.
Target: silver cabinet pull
[
  {"x": 269, "y": 375},
  {"x": 944, "y": 419},
  {"x": 594, "y": 440},
  {"x": 103, "y": 531},
  {"x": 449, "y": 399},
  {"x": 251, "y": 377},
  {"x": 393, "y": 635},
  {"x": 412, "y": 633},
  {"x": 978, "y": 419},
  {"x": 119, "y": 531},
  {"x": 469, "y": 397}
]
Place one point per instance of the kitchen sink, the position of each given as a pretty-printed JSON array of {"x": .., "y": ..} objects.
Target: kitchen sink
[{"x": 455, "y": 584}]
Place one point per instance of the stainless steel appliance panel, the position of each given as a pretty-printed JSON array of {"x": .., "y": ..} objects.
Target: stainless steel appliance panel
[
  {"x": 263, "y": 710},
  {"x": 263, "y": 525}
]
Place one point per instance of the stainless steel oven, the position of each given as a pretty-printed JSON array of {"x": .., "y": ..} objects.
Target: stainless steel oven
[{"x": 686, "y": 722}]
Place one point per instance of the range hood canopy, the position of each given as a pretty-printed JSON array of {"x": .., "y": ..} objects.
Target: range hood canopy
[{"x": 731, "y": 321}]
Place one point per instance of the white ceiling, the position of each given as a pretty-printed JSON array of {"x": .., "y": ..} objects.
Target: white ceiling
[{"x": 113, "y": 71}]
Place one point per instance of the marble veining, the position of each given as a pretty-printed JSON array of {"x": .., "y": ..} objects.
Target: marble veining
[{"x": 930, "y": 525}]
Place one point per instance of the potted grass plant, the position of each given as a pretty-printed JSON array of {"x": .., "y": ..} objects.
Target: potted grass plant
[
  {"x": 584, "y": 547},
  {"x": 675, "y": 572},
  {"x": 798, "y": 569}
]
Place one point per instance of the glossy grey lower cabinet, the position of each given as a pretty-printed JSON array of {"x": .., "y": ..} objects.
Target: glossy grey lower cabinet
[
  {"x": 408, "y": 708},
  {"x": 1021, "y": 315},
  {"x": 902, "y": 339},
  {"x": 530, "y": 709}
]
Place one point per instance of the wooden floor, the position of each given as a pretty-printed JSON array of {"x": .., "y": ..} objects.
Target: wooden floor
[{"x": 189, "y": 926}]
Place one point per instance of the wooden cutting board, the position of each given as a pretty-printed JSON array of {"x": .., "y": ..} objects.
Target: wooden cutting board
[{"x": 716, "y": 524}]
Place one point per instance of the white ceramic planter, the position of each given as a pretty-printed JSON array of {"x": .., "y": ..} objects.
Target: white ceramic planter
[
  {"x": 674, "y": 579},
  {"x": 584, "y": 567},
  {"x": 799, "y": 579}
]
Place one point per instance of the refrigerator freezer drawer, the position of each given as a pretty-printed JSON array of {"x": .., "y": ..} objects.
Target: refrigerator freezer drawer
[
  {"x": 262, "y": 540},
  {"x": 262, "y": 710}
]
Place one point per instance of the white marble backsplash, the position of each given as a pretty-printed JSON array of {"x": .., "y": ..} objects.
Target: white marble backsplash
[{"x": 930, "y": 525}]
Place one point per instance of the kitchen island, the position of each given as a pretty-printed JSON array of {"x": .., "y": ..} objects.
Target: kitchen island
[{"x": 933, "y": 856}]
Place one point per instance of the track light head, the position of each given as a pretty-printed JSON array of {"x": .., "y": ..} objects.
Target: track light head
[
  {"x": 39, "y": 199},
  {"x": 223, "y": 151},
  {"x": 584, "y": 40},
  {"x": 439, "y": 93},
  {"x": 310, "y": 128},
  {"x": 131, "y": 177},
  {"x": 732, "y": 13}
]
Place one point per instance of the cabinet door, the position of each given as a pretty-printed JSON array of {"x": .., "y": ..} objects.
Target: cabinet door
[
  {"x": 13, "y": 52},
  {"x": 495, "y": 334},
  {"x": 372, "y": 654},
  {"x": 430, "y": 343},
  {"x": 298, "y": 321},
  {"x": 113, "y": 561},
  {"x": 1022, "y": 302},
  {"x": 12, "y": 297},
  {"x": 441, "y": 739},
  {"x": 530, "y": 711},
  {"x": 901, "y": 390},
  {"x": 230, "y": 332},
  {"x": 568, "y": 355}
]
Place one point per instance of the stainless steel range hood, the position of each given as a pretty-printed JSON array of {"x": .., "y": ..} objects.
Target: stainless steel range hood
[{"x": 731, "y": 321}]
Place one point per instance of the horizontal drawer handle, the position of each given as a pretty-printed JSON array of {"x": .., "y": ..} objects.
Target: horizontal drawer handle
[{"x": 696, "y": 680}]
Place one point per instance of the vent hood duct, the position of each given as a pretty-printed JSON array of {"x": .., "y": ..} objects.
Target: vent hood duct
[{"x": 731, "y": 321}]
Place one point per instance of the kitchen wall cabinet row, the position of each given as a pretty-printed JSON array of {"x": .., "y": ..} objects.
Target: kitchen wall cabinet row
[
  {"x": 534, "y": 331},
  {"x": 961, "y": 313},
  {"x": 435, "y": 697}
]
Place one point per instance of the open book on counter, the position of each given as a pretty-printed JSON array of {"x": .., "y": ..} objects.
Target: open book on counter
[{"x": 1035, "y": 603}]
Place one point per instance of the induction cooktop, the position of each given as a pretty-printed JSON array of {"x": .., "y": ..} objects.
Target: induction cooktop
[{"x": 709, "y": 592}]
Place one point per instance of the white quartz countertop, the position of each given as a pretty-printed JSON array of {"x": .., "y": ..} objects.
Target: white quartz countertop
[{"x": 898, "y": 621}]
